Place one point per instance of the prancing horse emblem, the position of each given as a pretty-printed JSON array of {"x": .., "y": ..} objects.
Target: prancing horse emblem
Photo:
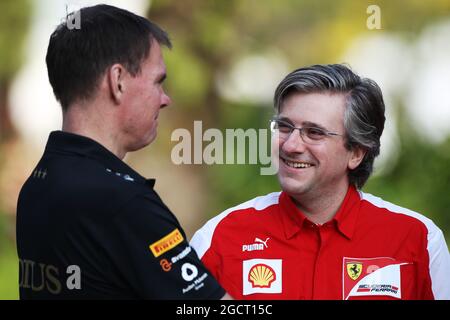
[{"x": 354, "y": 270}]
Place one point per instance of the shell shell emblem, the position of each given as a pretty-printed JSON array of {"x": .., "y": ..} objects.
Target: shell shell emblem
[{"x": 261, "y": 276}]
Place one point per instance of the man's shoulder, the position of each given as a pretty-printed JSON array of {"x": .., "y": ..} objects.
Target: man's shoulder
[
  {"x": 88, "y": 176},
  {"x": 397, "y": 214},
  {"x": 79, "y": 181},
  {"x": 252, "y": 206},
  {"x": 242, "y": 213}
]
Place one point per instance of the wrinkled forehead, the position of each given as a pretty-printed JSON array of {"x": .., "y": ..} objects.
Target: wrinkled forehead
[{"x": 323, "y": 108}]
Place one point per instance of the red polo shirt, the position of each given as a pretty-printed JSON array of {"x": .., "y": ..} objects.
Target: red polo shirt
[{"x": 267, "y": 249}]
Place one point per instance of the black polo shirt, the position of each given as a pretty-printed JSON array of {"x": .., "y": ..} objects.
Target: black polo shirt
[{"x": 89, "y": 226}]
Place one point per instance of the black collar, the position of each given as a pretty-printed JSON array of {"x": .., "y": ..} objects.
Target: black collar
[{"x": 70, "y": 143}]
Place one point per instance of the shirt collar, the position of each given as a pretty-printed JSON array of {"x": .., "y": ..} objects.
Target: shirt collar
[
  {"x": 348, "y": 212},
  {"x": 70, "y": 143},
  {"x": 345, "y": 218}
]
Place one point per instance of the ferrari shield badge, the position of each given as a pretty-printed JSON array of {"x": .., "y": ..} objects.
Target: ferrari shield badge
[{"x": 354, "y": 270}]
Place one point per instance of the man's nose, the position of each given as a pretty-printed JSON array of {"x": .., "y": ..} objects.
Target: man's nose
[
  {"x": 294, "y": 143},
  {"x": 165, "y": 101}
]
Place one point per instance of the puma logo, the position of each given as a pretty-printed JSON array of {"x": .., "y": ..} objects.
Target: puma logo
[
  {"x": 263, "y": 242},
  {"x": 259, "y": 245}
]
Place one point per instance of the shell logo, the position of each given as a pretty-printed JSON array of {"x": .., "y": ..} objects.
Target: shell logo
[{"x": 261, "y": 276}]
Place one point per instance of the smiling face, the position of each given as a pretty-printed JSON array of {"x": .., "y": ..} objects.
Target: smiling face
[
  {"x": 143, "y": 98},
  {"x": 313, "y": 169}
]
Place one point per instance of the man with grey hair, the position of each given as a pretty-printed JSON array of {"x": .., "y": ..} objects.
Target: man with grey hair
[{"x": 321, "y": 237}]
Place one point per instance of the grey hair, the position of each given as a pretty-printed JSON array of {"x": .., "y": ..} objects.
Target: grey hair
[{"x": 364, "y": 113}]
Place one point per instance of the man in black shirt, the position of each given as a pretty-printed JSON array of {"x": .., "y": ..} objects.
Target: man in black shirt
[{"x": 89, "y": 226}]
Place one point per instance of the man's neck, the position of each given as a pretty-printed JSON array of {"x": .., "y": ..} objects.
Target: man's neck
[
  {"x": 94, "y": 126},
  {"x": 321, "y": 208}
]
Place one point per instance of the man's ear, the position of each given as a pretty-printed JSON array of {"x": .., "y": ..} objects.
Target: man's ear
[
  {"x": 357, "y": 155},
  {"x": 115, "y": 76}
]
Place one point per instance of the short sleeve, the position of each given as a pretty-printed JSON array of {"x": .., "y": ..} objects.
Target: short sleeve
[
  {"x": 153, "y": 256},
  {"x": 439, "y": 265}
]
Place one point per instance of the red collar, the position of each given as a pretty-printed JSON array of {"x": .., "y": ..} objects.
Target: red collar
[{"x": 293, "y": 218}]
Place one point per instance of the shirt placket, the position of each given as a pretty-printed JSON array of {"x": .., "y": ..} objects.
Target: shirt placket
[{"x": 323, "y": 233}]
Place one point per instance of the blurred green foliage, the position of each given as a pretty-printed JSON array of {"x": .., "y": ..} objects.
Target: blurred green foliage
[
  {"x": 14, "y": 24},
  {"x": 9, "y": 265}
]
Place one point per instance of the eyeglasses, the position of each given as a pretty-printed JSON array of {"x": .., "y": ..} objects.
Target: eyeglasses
[{"x": 309, "y": 134}]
